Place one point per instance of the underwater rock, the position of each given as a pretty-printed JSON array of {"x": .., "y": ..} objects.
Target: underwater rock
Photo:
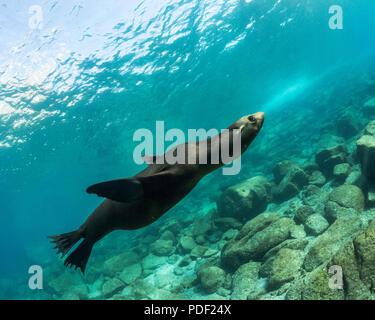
[
  {"x": 294, "y": 244},
  {"x": 357, "y": 260},
  {"x": 347, "y": 124},
  {"x": 131, "y": 273},
  {"x": 69, "y": 282},
  {"x": 70, "y": 296},
  {"x": 117, "y": 263},
  {"x": 282, "y": 169},
  {"x": 369, "y": 108},
  {"x": 315, "y": 198},
  {"x": 317, "y": 178},
  {"x": 225, "y": 223},
  {"x": 162, "y": 247},
  {"x": 171, "y": 225},
  {"x": 210, "y": 252},
  {"x": 297, "y": 232},
  {"x": 203, "y": 225},
  {"x": 370, "y": 129},
  {"x": 283, "y": 267},
  {"x": 187, "y": 244},
  {"x": 185, "y": 261},
  {"x": 111, "y": 287},
  {"x": 356, "y": 178},
  {"x": 291, "y": 184},
  {"x": 142, "y": 289},
  {"x": 315, "y": 224},
  {"x": 341, "y": 171},
  {"x": 151, "y": 262},
  {"x": 92, "y": 274},
  {"x": 211, "y": 278},
  {"x": 331, "y": 150},
  {"x": 229, "y": 234},
  {"x": 344, "y": 200},
  {"x": 244, "y": 280},
  {"x": 148, "y": 239},
  {"x": 310, "y": 167},
  {"x": 350, "y": 262},
  {"x": 168, "y": 235},
  {"x": 314, "y": 286},
  {"x": 364, "y": 246},
  {"x": 245, "y": 200},
  {"x": 197, "y": 252},
  {"x": 302, "y": 214},
  {"x": 366, "y": 151},
  {"x": 327, "y": 244},
  {"x": 214, "y": 237},
  {"x": 248, "y": 248},
  {"x": 257, "y": 224}
]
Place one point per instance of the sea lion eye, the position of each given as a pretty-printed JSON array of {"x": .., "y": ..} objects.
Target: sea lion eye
[{"x": 251, "y": 118}]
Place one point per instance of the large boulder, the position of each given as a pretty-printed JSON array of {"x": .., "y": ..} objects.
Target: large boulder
[
  {"x": 244, "y": 280},
  {"x": 344, "y": 200},
  {"x": 283, "y": 267},
  {"x": 257, "y": 224},
  {"x": 293, "y": 179},
  {"x": 245, "y": 200},
  {"x": 253, "y": 247},
  {"x": 162, "y": 247},
  {"x": 331, "y": 150},
  {"x": 341, "y": 171},
  {"x": 302, "y": 214},
  {"x": 281, "y": 169},
  {"x": 314, "y": 286},
  {"x": 327, "y": 244},
  {"x": 317, "y": 178},
  {"x": 186, "y": 244},
  {"x": 211, "y": 278},
  {"x": 316, "y": 224},
  {"x": 315, "y": 198},
  {"x": 366, "y": 151},
  {"x": 355, "y": 258}
]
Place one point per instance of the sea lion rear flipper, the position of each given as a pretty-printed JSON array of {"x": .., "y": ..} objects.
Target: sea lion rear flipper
[{"x": 123, "y": 190}]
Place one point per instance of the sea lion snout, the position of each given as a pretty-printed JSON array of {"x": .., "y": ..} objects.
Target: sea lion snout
[
  {"x": 256, "y": 120},
  {"x": 259, "y": 116}
]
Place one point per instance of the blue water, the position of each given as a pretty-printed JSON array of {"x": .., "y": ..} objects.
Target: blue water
[{"x": 74, "y": 91}]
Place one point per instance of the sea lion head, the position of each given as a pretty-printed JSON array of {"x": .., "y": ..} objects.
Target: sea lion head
[{"x": 250, "y": 126}]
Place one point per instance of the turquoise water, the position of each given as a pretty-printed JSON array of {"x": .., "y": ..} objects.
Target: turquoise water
[{"x": 75, "y": 88}]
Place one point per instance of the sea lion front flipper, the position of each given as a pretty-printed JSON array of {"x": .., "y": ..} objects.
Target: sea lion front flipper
[
  {"x": 130, "y": 189},
  {"x": 123, "y": 190}
]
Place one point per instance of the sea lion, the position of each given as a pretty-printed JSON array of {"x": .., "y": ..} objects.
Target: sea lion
[{"x": 136, "y": 202}]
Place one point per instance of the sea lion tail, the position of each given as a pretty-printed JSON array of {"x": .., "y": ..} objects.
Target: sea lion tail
[{"x": 79, "y": 257}]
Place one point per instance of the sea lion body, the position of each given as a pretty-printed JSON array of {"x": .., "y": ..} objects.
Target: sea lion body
[{"x": 136, "y": 202}]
